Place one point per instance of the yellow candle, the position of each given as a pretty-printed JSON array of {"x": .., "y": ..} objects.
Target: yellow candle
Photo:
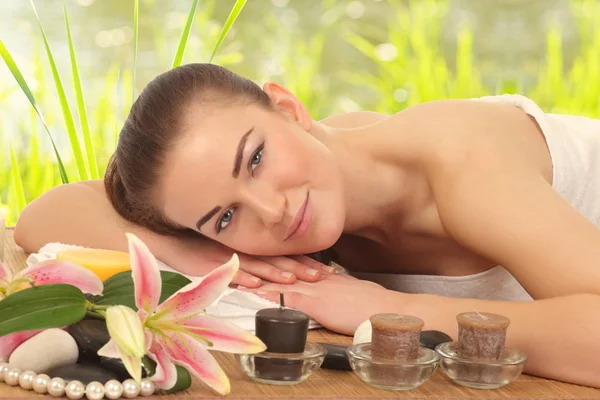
[{"x": 104, "y": 263}]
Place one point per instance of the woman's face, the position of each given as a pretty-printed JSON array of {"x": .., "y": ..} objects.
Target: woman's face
[{"x": 255, "y": 180}]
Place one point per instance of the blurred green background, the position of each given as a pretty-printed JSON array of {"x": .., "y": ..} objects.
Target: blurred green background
[{"x": 336, "y": 55}]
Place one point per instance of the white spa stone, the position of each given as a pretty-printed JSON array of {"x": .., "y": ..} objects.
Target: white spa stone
[
  {"x": 46, "y": 350},
  {"x": 363, "y": 333}
]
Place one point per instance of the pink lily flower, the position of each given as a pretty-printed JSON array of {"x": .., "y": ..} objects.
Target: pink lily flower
[
  {"x": 44, "y": 273},
  {"x": 178, "y": 332},
  {"x": 49, "y": 272}
]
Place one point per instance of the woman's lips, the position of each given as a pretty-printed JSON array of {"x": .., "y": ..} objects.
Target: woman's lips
[{"x": 302, "y": 220}]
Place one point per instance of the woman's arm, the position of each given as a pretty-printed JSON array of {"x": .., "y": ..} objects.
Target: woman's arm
[{"x": 559, "y": 335}]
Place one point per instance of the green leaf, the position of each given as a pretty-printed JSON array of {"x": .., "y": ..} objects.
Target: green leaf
[
  {"x": 184, "y": 36},
  {"x": 136, "y": 9},
  {"x": 17, "y": 181},
  {"x": 16, "y": 73},
  {"x": 41, "y": 307},
  {"x": 184, "y": 380},
  {"x": 64, "y": 105},
  {"x": 85, "y": 126},
  {"x": 119, "y": 289},
  {"x": 235, "y": 12}
]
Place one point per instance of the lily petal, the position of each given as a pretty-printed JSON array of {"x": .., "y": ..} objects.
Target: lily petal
[
  {"x": 109, "y": 350},
  {"x": 8, "y": 343},
  {"x": 132, "y": 364},
  {"x": 193, "y": 356},
  {"x": 146, "y": 275},
  {"x": 165, "y": 376},
  {"x": 126, "y": 330},
  {"x": 61, "y": 271},
  {"x": 5, "y": 273},
  {"x": 225, "y": 336},
  {"x": 193, "y": 298}
]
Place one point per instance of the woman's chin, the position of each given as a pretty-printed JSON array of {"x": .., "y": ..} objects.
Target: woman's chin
[{"x": 326, "y": 238}]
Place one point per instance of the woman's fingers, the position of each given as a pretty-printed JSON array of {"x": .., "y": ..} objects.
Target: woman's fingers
[
  {"x": 285, "y": 270},
  {"x": 302, "y": 271},
  {"x": 309, "y": 262},
  {"x": 265, "y": 270},
  {"x": 243, "y": 278}
]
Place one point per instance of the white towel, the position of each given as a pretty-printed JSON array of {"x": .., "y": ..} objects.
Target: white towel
[{"x": 233, "y": 305}]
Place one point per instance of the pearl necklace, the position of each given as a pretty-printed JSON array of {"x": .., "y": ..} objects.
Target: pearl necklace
[{"x": 75, "y": 390}]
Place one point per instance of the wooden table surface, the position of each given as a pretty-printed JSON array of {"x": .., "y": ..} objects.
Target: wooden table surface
[{"x": 329, "y": 384}]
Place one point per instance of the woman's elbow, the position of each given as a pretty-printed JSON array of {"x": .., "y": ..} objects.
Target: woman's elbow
[
  {"x": 23, "y": 234},
  {"x": 47, "y": 217}
]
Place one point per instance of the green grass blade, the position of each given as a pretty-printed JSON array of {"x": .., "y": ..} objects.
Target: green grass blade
[
  {"x": 235, "y": 12},
  {"x": 17, "y": 182},
  {"x": 16, "y": 73},
  {"x": 184, "y": 36},
  {"x": 85, "y": 126},
  {"x": 64, "y": 105},
  {"x": 136, "y": 10}
]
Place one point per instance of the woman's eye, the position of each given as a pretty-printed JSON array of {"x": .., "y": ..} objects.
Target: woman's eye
[
  {"x": 225, "y": 220},
  {"x": 256, "y": 157}
]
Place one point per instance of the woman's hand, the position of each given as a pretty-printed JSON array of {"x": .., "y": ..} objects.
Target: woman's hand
[
  {"x": 338, "y": 302},
  {"x": 199, "y": 256},
  {"x": 284, "y": 270}
]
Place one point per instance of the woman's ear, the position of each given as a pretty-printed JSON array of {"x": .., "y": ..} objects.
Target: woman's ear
[{"x": 289, "y": 104}]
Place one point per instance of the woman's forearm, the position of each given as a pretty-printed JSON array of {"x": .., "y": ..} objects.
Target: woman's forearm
[{"x": 559, "y": 335}]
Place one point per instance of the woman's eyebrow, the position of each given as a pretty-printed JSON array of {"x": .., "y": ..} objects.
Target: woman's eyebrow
[
  {"x": 207, "y": 217},
  {"x": 237, "y": 162}
]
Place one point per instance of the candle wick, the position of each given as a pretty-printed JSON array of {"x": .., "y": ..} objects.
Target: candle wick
[
  {"x": 281, "y": 300},
  {"x": 481, "y": 315}
]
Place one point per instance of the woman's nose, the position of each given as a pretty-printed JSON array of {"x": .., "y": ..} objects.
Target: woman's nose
[{"x": 268, "y": 203}]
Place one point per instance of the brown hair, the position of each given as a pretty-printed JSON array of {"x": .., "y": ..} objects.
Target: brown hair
[{"x": 155, "y": 122}]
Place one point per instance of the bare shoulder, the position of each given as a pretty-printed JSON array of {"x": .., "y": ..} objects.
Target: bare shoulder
[
  {"x": 96, "y": 185},
  {"x": 353, "y": 119},
  {"x": 465, "y": 133}
]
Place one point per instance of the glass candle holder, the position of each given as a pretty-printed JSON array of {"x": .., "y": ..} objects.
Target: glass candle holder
[
  {"x": 392, "y": 374},
  {"x": 283, "y": 368},
  {"x": 481, "y": 373}
]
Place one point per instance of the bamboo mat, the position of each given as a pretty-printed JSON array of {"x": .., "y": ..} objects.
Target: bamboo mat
[{"x": 328, "y": 384}]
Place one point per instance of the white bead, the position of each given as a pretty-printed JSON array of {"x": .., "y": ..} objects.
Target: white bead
[
  {"x": 113, "y": 389},
  {"x": 75, "y": 390},
  {"x": 26, "y": 380},
  {"x": 130, "y": 388},
  {"x": 3, "y": 368},
  {"x": 146, "y": 387},
  {"x": 94, "y": 391},
  {"x": 56, "y": 387},
  {"x": 11, "y": 377},
  {"x": 40, "y": 383}
]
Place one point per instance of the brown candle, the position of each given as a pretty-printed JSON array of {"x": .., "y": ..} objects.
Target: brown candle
[
  {"x": 395, "y": 337},
  {"x": 283, "y": 331},
  {"x": 481, "y": 335}
]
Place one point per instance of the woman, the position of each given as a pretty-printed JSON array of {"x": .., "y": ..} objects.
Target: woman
[{"x": 433, "y": 199}]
